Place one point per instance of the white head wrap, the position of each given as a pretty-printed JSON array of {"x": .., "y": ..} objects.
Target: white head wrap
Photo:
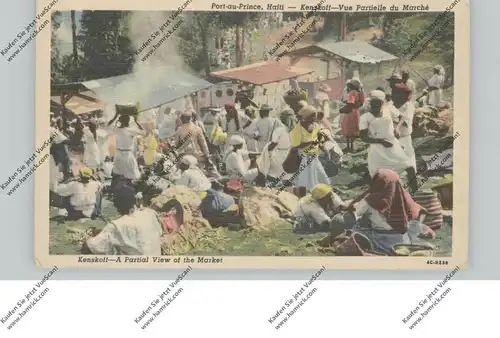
[
  {"x": 235, "y": 140},
  {"x": 377, "y": 95},
  {"x": 307, "y": 111}
]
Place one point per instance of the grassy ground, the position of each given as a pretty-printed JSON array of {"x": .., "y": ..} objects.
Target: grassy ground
[{"x": 279, "y": 240}]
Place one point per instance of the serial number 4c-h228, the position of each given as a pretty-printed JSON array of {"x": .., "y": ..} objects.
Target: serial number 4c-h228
[{"x": 437, "y": 262}]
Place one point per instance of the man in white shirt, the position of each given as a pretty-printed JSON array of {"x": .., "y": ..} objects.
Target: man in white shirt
[
  {"x": 237, "y": 162},
  {"x": 191, "y": 176},
  {"x": 274, "y": 143},
  {"x": 136, "y": 232},
  {"x": 405, "y": 75},
  {"x": 84, "y": 196}
]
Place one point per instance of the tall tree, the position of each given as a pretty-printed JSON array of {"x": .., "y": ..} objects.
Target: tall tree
[
  {"x": 103, "y": 39},
  {"x": 194, "y": 35},
  {"x": 55, "y": 53}
]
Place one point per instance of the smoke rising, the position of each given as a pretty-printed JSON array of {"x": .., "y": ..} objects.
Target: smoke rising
[{"x": 147, "y": 74}]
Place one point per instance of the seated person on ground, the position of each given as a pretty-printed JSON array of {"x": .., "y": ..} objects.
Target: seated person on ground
[
  {"x": 237, "y": 164},
  {"x": 83, "y": 197},
  {"x": 136, "y": 232},
  {"x": 387, "y": 214},
  {"x": 192, "y": 176},
  {"x": 315, "y": 210}
]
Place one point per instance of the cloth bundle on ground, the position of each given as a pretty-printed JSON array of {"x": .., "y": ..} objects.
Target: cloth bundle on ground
[
  {"x": 183, "y": 238},
  {"x": 264, "y": 206},
  {"x": 349, "y": 243},
  {"x": 189, "y": 199}
]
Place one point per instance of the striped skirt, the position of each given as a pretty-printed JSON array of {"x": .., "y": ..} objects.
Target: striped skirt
[{"x": 430, "y": 202}]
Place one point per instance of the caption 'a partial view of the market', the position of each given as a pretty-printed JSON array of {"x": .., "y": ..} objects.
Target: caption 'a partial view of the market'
[{"x": 251, "y": 134}]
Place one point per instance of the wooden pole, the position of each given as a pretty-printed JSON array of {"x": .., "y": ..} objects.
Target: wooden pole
[{"x": 343, "y": 35}]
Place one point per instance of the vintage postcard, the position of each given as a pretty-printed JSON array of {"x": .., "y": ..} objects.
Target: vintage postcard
[{"x": 250, "y": 135}]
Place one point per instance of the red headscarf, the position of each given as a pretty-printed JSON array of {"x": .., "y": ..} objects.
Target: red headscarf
[
  {"x": 229, "y": 105},
  {"x": 388, "y": 197}
]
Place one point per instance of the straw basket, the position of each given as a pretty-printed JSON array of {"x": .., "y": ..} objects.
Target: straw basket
[
  {"x": 293, "y": 99},
  {"x": 127, "y": 109}
]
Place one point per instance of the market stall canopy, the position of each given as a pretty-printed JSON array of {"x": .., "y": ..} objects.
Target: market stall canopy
[
  {"x": 262, "y": 73},
  {"x": 74, "y": 97},
  {"x": 355, "y": 51},
  {"x": 164, "y": 85}
]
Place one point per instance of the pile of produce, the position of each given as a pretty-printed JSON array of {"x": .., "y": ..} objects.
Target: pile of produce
[{"x": 293, "y": 96}]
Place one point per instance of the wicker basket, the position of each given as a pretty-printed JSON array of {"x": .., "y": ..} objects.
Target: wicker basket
[
  {"x": 129, "y": 109},
  {"x": 292, "y": 100}
]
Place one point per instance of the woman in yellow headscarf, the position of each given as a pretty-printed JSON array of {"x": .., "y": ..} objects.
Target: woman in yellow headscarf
[
  {"x": 306, "y": 139},
  {"x": 315, "y": 210},
  {"x": 151, "y": 147}
]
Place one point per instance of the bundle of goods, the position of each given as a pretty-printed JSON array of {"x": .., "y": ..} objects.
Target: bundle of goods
[
  {"x": 263, "y": 207},
  {"x": 293, "y": 96},
  {"x": 128, "y": 109},
  {"x": 244, "y": 97},
  {"x": 413, "y": 250}
]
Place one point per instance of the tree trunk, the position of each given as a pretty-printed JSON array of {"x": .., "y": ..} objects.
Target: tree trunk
[
  {"x": 206, "y": 56},
  {"x": 242, "y": 48},
  {"x": 238, "y": 46},
  {"x": 75, "y": 49}
]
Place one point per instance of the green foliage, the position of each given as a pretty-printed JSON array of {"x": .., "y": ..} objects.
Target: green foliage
[
  {"x": 442, "y": 35},
  {"x": 55, "y": 62},
  {"x": 107, "y": 50},
  {"x": 193, "y": 36},
  {"x": 331, "y": 26},
  {"x": 397, "y": 38}
]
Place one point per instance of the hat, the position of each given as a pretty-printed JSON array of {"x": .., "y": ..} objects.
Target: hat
[
  {"x": 86, "y": 172},
  {"x": 377, "y": 95},
  {"x": 320, "y": 191},
  {"x": 325, "y": 88},
  {"x": 156, "y": 132},
  {"x": 215, "y": 109},
  {"x": 228, "y": 105},
  {"x": 265, "y": 107},
  {"x": 235, "y": 140},
  {"x": 307, "y": 111},
  {"x": 394, "y": 76},
  {"x": 189, "y": 160}
]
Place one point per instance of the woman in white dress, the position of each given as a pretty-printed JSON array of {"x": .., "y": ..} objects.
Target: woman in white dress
[
  {"x": 435, "y": 91},
  {"x": 102, "y": 140},
  {"x": 125, "y": 163},
  {"x": 91, "y": 155},
  {"x": 377, "y": 129}
]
